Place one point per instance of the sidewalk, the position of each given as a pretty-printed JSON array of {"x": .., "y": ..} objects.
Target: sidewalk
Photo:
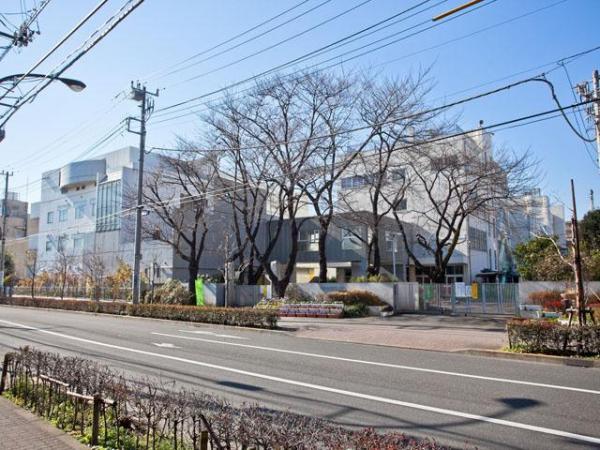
[
  {"x": 22, "y": 430},
  {"x": 426, "y": 332}
]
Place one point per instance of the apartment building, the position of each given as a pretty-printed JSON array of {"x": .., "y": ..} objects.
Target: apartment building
[{"x": 17, "y": 224}]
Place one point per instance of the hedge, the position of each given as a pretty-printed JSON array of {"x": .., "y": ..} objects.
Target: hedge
[
  {"x": 543, "y": 336},
  {"x": 242, "y": 317},
  {"x": 150, "y": 413}
]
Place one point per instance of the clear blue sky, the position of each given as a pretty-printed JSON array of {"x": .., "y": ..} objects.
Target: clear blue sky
[{"x": 162, "y": 33}]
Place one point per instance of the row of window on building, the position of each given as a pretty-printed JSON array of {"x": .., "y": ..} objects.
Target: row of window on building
[
  {"x": 351, "y": 239},
  {"x": 80, "y": 209},
  {"x": 61, "y": 243}
]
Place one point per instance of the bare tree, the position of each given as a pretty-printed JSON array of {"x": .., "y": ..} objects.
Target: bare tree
[
  {"x": 94, "y": 272},
  {"x": 394, "y": 113},
  {"x": 62, "y": 265},
  {"x": 177, "y": 195},
  {"x": 452, "y": 181},
  {"x": 271, "y": 135},
  {"x": 31, "y": 263}
]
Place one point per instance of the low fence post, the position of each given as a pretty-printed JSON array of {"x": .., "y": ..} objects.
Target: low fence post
[
  {"x": 5, "y": 364},
  {"x": 96, "y": 418}
]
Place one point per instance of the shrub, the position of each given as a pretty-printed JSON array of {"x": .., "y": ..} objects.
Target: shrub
[
  {"x": 294, "y": 294},
  {"x": 150, "y": 413},
  {"x": 543, "y": 336},
  {"x": 243, "y": 317},
  {"x": 379, "y": 278},
  {"x": 355, "y": 296},
  {"x": 172, "y": 292},
  {"x": 356, "y": 310}
]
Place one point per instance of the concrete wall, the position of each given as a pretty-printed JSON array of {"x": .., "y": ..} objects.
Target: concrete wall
[{"x": 527, "y": 287}]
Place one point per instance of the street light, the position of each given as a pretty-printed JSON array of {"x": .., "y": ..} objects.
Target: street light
[{"x": 74, "y": 85}]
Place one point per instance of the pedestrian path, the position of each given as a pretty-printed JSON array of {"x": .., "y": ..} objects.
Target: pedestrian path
[
  {"x": 23, "y": 430},
  {"x": 424, "y": 332}
]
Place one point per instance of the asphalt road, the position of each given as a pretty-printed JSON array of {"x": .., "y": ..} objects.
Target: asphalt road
[{"x": 459, "y": 400}]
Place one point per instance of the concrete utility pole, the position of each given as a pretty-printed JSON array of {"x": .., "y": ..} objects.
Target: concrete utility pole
[
  {"x": 580, "y": 296},
  {"x": 140, "y": 94},
  {"x": 593, "y": 110},
  {"x": 4, "y": 217},
  {"x": 592, "y": 206}
]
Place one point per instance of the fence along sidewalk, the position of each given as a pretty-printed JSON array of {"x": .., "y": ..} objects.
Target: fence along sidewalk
[{"x": 478, "y": 298}]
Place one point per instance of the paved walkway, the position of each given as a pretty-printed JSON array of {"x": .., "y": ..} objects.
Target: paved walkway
[
  {"x": 427, "y": 332},
  {"x": 22, "y": 430}
]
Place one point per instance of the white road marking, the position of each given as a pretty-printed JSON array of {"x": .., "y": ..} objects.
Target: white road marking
[
  {"x": 318, "y": 387},
  {"x": 393, "y": 366},
  {"x": 165, "y": 345},
  {"x": 210, "y": 333}
]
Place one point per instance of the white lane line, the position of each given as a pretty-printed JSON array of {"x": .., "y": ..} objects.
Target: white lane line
[
  {"x": 393, "y": 366},
  {"x": 165, "y": 345},
  {"x": 210, "y": 333},
  {"x": 318, "y": 387}
]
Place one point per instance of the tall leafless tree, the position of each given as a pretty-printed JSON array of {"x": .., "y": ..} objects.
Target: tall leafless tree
[
  {"x": 454, "y": 180},
  {"x": 177, "y": 195}
]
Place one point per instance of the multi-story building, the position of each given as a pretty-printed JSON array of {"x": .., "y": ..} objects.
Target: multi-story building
[
  {"x": 87, "y": 208},
  {"x": 17, "y": 221},
  {"x": 535, "y": 215}
]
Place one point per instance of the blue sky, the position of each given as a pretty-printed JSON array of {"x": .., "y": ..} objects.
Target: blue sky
[{"x": 61, "y": 125}]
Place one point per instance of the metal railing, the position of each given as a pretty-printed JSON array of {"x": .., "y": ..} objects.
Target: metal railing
[{"x": 477, "y": 298}]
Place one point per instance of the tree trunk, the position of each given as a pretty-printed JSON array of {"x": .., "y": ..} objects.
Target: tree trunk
[
  {"x": 323, "y": 253},
  {"x": 376, "y": 267},
  {"x": 192, "y": 275}
]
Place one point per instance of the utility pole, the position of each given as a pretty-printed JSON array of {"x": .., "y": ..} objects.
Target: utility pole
[
  {"x": 579, "y": 299},
  {"x": 140, "y": 94},
  {"x": 4, "y": 217},
  {"x": 592, "y": 94},
  {"x": 592, "y": 206}
]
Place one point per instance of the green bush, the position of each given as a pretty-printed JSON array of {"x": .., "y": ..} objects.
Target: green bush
[
  {"x": 543, "y": 336},
  {"x": 243, "y": 317},
  {"x": 379, "y": 278},
  {"x": 355, "y": 296},
  {"x": 172, "y": 292},
  {"x": 356, "y": 310}
]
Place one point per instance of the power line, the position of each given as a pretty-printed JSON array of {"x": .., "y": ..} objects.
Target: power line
[
  {"x": 291, "y": 62},
  {"x": 89, "y": 44},
  {"x": 227, "y": 41},
  {"x": 56, "y": 46},
  {"x": 272, "y": 46},
  {"x": 264, "y": 33}
]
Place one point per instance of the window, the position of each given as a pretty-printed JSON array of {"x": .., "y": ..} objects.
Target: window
[
  {"x": 356, "y": 181},
  {"x": 398, "y": 174},
  {"x": 477, "y": 239},
  {"x": 454, "y": 274},
  {"x": 308, "y": 241},
  {"x": 62, "y": 243},
  {"x": 93, "y": 208},
  {"x": 62, "y": 214},
  {"x": 79, "y": 210},
  {"x": 401, "y": 205},
  {"x": 350, "y": 240},
  {"x": 49, "y": 243},
  {"x": 78, "y": 242},
  {"x": 108, "y": 208},
  {"x": 50, "y": 217},
  {"x": 391, "y": 241}
]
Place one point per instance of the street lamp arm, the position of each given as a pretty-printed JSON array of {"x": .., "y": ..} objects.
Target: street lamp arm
[{"x": 74, "y": 85}]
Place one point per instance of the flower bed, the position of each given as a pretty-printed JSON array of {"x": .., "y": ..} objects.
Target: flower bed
[
  {"x": 242, "y": 317},
  {"x": 323, "y": 310},
  {"x": 544, "y": 336}
]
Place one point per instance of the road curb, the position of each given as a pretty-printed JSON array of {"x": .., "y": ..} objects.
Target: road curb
[{"x": 532, "y": 357}]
